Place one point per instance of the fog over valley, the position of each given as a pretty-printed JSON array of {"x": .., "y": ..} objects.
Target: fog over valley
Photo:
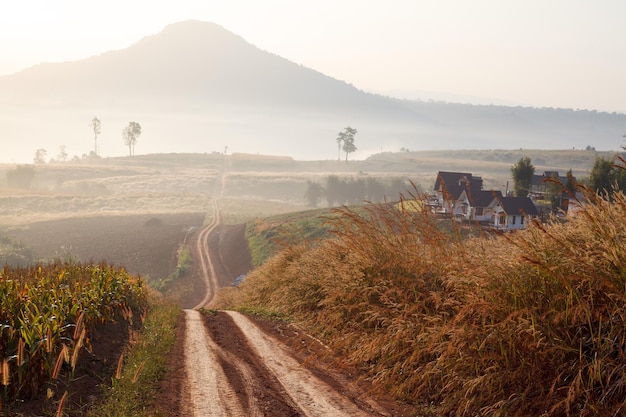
[
  {"x": 345, "y": 208},
  {"x": 197, "y": 87}
]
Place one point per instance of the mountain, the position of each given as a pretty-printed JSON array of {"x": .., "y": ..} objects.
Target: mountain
[{"x": 196, "y": 87}]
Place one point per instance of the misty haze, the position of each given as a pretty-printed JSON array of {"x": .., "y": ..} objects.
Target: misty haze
[
  {"x": 193, "y": 225},
  {"x": 195, "y": 87}
]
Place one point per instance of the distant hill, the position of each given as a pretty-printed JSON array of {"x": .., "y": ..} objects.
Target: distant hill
[{"x": 196, "y": 87}]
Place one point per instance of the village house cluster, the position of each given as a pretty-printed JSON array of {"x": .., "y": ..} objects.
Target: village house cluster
[{"x": 461, "y": 195}]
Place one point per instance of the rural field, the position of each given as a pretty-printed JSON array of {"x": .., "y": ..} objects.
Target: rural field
[{"x": 137, "y": 213}]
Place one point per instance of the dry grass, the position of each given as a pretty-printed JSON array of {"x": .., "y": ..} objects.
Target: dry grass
[
  {"x": 530, "y": 323},
  {"x": 175, "y": 183}
]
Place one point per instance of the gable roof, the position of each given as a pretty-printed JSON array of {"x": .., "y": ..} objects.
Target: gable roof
[
  {"x": 483, "y": 198},
  {"x": 518, "y": 205},
  {"x": 454, "y": 183}
]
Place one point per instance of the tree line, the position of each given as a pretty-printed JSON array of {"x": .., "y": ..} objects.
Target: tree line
[
  {"x": 130, "y": 136},
  {"x": 605, "y": 178},
  {"x": 342, "y": 191}
]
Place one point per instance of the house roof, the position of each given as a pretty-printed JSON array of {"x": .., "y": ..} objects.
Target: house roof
[
  {"x": 518, "y": 205},
  {"x": 454, "y": 183},
  {"x": 540, "y": 179},
  {"x": 483, "y": 198}
]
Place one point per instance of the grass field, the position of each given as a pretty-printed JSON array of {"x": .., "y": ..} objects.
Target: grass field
[
  {"x": 250, "y": 185},
  {"x": 528, "y": 323},
  {"x": 464, "y": 325}
]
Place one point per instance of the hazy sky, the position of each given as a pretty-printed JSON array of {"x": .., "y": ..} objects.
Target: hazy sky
[{"x": 544, "y": 53}]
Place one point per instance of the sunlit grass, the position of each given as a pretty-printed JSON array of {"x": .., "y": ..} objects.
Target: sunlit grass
[{"x": 530, "y": 323}]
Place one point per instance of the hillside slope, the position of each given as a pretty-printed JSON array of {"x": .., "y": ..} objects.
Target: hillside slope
[{"x": 196, "y": 87}]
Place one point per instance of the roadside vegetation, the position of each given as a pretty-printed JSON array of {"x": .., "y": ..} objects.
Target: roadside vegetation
[
  {"x": 50, "y": 315},
  {"x": 184, "y": 262},
  {"x": 134, "y": 388},
  {"x": 528, "y": 323},
  {"x": 267, "y": 236}
]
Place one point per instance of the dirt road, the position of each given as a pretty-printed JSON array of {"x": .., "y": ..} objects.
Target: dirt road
[
  {"x": 233, "y": 368},
  {"x": 206, "y": 266}
]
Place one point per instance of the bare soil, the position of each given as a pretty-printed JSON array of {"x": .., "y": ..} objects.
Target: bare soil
[
  {"x": 143, "y": 244},
  {"x": 148, "y": 247}
]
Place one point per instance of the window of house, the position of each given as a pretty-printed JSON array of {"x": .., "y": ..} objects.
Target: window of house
[
  {"x": 512, "y": 219},
  {"x": 522, "y": 220},
  {"x": 479, "y": 211}
]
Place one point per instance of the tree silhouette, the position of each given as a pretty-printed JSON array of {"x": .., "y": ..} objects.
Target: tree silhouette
[
  {"x": 340, "y": 139},
  {"x": 95, "y": 125},
  {"x": 62, "y": 156},
  {"x": 606, "y": 177},
  {"x": 313, "y": 193},
  {"x": 333, "y": 190},
  {"x": 130, "y": 134},
  {"x": 522, "y": 173},
  {"x": 40, "y": 156},
  {"x": 345, "y": 142}
]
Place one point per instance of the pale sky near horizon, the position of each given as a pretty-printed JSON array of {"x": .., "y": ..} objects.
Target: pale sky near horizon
[{"x": 542, "y": 53}]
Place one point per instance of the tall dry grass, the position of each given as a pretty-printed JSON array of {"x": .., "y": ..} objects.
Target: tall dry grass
[
  {"x": 544, "y": 333},
  {"x": 523, "y": 324}
]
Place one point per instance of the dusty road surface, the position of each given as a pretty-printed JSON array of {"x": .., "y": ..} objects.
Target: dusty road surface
[{"x": 232, "y": 367}]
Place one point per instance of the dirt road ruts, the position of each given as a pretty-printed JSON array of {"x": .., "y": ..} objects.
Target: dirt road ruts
[
  {"x": 233, "y": 368},
  {"x": 207, "y": 269}
]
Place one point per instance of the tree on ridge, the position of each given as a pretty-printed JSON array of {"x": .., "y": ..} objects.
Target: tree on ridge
[
  {"x": 95, "y": 125},
  {"x": 130, "y": 134},
  {"x": 345, "y": 142}
]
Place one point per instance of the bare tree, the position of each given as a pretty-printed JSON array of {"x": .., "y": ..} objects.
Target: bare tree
[
  {"x": 95, "y": 125},
  {"x": 130, "y": 134}
]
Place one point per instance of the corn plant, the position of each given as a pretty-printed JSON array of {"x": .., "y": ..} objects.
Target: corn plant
[{"x": 47, "y": 312}]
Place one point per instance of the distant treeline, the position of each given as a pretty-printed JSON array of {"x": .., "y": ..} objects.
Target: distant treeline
[
  {"x": 21, "y": 176},
  {"x": 340, "y": 191}
]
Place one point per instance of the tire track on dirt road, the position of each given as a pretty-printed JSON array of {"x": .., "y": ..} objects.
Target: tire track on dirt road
[
  {"x": 233, "y": 368},
  {"x": 211, "y": 395},
  {"x": 314, "y": 397},
  {"x": 202, "y": 249}
]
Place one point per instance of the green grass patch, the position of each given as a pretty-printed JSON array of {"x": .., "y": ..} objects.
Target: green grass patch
[
  {"x": 267, "y": 236},
  {"x": 184, "y": 263},
  {"x": 135, "y": 391}
]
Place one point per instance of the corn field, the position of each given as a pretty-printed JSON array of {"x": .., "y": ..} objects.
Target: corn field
[{"x": 46, "y": 315}]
